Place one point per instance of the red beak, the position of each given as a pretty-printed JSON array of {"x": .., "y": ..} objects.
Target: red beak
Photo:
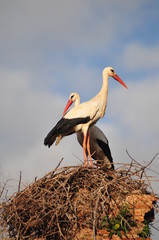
[
  {"x": 116, "y": 77},
  {"x": 67, "y": 106}
]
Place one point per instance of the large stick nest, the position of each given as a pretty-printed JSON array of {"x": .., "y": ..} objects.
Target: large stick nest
[{"x": 67, "y": 199}]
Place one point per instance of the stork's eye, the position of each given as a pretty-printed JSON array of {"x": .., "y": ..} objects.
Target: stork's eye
[
  {"x": 112, "y": 70},
  {"x": 72, "y": 96}
]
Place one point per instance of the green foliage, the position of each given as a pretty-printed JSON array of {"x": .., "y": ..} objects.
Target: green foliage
[
  {"x": 146, "y": 231},
  {"x": 122, "y": 223}
]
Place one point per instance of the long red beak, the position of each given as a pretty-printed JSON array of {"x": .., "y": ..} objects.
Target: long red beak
[
  {"x": 116, "y": 77},
  {"x": 67, "y": 106}
]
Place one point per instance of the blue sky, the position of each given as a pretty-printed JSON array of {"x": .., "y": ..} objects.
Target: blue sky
[{"x": 49, "y": 49}]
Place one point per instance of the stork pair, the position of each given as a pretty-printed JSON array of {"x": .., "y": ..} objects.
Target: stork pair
[{"x": 83, "y": 116}]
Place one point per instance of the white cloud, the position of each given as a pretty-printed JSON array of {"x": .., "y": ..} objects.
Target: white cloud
[
  {"x": 138, "y": 56},
  {"x": 24, "y": 112},
  {"x": 30, "y": 31},
  {"x": 136, "y": 115},
  {"x": 27, "y": 115}
]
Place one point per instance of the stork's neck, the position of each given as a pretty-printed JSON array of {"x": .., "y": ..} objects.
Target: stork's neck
[
  {"x": 103, "y": 94},
  {"x": 104, "y": 90},
  {"x": 77, "y": 102}
]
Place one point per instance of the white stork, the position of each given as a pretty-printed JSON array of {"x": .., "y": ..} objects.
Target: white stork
[
  {"x": 99, "y": 145},
  {"x": 83, "y": 116}
]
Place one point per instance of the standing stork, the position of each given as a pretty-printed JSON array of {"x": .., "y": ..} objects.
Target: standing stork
[
  {"x": 83, "y": 116},
  {"x": 99, "y": 145}
]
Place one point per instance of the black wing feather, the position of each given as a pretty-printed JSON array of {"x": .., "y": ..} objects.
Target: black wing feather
[
  {"x": 105, "y": 148},
  {"x": 64, "y": 127}
]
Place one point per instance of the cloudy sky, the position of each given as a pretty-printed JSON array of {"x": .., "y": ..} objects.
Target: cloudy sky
[{"x": 49, "y": 49}]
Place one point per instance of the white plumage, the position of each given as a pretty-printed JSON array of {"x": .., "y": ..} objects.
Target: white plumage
[
  {"x": 99, "y": 145},
  {"x": 83, "y": 116}
]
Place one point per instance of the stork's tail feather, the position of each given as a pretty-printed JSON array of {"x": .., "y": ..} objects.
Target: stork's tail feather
[
  {"x": 48, "y": 141},
  {"x": 52, "y": 135},
  {"x": 107, "y": 152}
]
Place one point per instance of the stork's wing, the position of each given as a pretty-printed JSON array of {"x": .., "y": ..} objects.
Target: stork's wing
[{"x": 64, "y": 127}]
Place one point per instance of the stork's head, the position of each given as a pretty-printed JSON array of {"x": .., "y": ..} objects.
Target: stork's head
[
  {"x": 109, "y": 71},
  {"x": 73, "y": 98}
]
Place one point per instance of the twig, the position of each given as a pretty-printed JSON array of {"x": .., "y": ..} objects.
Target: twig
[
  {"x": 20, "y": 179},
  {"x": 58, "y": 164},
  {"x": 94, "y": 218}
]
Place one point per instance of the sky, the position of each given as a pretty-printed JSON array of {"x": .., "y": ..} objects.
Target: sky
[{"x": 49, "y": 49}]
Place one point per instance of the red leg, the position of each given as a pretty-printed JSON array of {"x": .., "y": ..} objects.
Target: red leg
[
  {"x": 87, "y": 161},
  {"x": 84, "y": 150},
  {"x": 88, "y": 150}
]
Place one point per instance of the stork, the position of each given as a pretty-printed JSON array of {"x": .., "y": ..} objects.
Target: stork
[
  {"x": 83, "y": 116},
  {"x": 99, "y": 145}
]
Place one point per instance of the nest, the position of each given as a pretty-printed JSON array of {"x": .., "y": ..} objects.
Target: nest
[{"x": 68, "y": 199}]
